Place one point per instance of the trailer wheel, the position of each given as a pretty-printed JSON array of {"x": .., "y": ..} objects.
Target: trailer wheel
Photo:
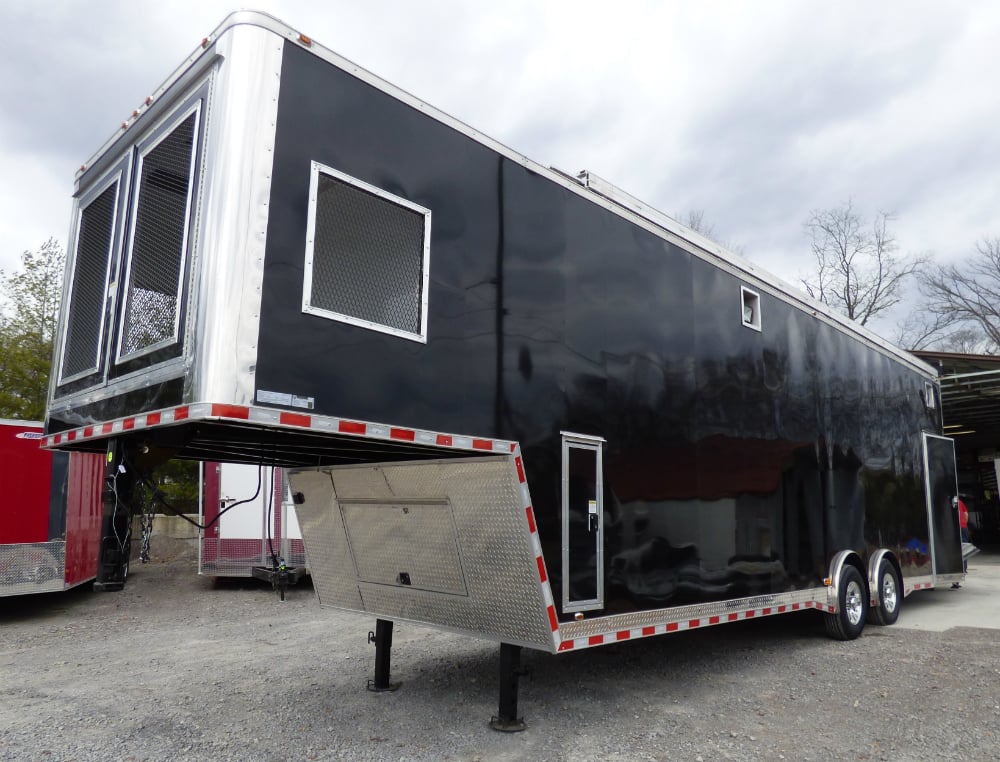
[
  {"x": 849, "y": 619},
  {"x": 886, "y": 611}
]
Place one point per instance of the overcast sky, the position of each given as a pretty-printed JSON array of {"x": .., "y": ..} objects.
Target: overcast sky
[{"x": 754, "y": 113}]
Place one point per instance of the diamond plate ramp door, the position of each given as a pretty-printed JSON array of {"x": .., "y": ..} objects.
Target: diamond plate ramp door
[{"x": 443, "y": 543}]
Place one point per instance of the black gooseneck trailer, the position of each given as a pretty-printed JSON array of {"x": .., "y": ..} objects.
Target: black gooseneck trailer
[{"x": 516, "y": 404}]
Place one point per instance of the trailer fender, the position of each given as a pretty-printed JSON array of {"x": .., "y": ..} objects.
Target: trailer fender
[
  {"x": 873, "y": 566},
  {"x": 844, "y": 557}
]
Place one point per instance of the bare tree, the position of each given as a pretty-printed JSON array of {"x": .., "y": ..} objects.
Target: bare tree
[
  {"x": 968, "y": 341},
  {"x": 695, "y": 219},
  {"x": 858, "y": 270},
  {"x": 923, "y": 329},
  {"x": 967, "y": 296}
]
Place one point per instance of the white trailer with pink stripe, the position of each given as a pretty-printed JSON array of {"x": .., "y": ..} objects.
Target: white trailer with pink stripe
[
  {"x": 248, "y": 521},
  {"x": 513, "y": 403}
]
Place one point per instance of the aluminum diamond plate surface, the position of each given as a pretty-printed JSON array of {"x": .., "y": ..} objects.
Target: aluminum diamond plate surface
[
  {"x": 483, "y": 543},
  {"x": 325, "y": 540},
  {"x": 32, "y": 567},
  {"x": 423, "y": 535}
]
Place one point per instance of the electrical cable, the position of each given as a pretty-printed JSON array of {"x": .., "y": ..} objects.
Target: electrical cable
[
  {"x": 114, "y": 515},
  {"x": 154, "y": 493},
  {"x": 161, "y": 499},
  {"x": 267, "y": 524}
]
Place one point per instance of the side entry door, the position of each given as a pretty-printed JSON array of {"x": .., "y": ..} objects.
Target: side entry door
[
  {"x": 582, "y": 523},
  {"x": 941, "y": 491}
]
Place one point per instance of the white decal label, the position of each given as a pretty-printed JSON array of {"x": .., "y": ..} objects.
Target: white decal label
[{"x": 286, "y": 400}]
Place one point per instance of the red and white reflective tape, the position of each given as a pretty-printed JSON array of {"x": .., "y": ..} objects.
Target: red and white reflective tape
[
  {"x": 536, "y": 548},
  {"x": 616, "y": 636},
  {"x": 284, "y": 419}
]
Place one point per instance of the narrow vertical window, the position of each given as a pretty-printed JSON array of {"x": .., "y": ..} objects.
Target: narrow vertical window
[
  {"x": 88, "y": 293},
  {"x": 930, "y": 398},
  {"x": 750, "y": 308},
  {"x": 159, "y": 241}
]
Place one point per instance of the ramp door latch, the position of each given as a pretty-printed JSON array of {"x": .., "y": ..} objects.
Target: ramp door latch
[{"x": 592, "y": 516}]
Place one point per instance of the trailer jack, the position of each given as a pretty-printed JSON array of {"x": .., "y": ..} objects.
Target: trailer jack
[
  {"x": 506, "y": 719},
  {"x": 279, "y": 575},
  {"x": 382, "y": 638}
]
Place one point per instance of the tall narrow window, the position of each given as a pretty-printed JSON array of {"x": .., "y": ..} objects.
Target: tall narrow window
[
  {"x": 930, "y": 398},
  {"x": 159, "y": 241},
  {"x": 88, "y": 293},
  {"x": 750, "y": 306}
]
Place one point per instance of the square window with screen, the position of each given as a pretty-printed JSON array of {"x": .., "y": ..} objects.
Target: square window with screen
[
  {"x": 750, "y": 308},
  {"x": 367, "y": 256}
]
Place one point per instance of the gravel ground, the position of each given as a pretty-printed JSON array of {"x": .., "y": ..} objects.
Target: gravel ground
[{"x": 176, "y": 668}]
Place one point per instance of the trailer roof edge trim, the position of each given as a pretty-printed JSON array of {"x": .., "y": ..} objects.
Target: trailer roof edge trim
[
  {"x": 18, "y": 422},
  {"x": 596, "y": 190}
]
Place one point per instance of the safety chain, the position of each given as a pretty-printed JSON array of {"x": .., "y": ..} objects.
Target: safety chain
[{"x": 146, "y": 522}]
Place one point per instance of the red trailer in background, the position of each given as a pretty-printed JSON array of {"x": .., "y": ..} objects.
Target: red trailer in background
[{"x": 50, "y": 513}]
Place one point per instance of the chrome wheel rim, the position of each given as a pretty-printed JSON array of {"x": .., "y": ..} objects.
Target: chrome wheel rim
[
  {"x": 853, "y": 605},
  {"x": 889, "y": 595}
]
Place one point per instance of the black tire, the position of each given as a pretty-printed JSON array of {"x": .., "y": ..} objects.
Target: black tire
[
  {"x": 890, "y": 594},
  {"x": 852, "y": 603}
]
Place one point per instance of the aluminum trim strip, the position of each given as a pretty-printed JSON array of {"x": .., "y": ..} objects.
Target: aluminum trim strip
[
  {"x": 574, "y": 636},
  {"x": 137, "y": 379},
  {"x": 225, "y": 296},
  {"x": 19, "y": 422}
]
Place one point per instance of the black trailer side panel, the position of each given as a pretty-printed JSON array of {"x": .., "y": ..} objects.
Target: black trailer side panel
[
  {"x": 737, "y": 460},
  {"x": 347, "y": 124},
  {"x": 536, "y": 321},
  {"x": 797, "y": 442}
]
